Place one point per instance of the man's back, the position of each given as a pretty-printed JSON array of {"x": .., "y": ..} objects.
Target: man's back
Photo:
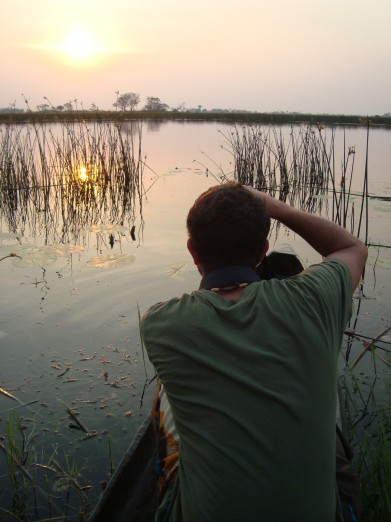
[{"x": 252, "y": 387}]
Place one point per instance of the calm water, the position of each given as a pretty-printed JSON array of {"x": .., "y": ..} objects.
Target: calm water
[{"x": 69, "y": 320}]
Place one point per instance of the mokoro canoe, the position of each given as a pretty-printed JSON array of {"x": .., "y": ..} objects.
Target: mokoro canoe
[{"x": 131, "y": 492}]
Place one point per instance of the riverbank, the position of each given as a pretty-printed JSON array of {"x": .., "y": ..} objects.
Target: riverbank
[{"x": 207, "y": 116}]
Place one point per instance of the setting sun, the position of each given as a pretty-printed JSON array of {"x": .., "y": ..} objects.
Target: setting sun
[{"x": 80, "y": 45}]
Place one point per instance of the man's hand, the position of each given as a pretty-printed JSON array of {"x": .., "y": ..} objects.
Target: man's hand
[{"x": 330, "y": 240}]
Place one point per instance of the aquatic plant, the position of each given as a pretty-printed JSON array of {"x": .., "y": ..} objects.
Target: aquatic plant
[
  {"x": 300, "y": 170},
  {"x": 33, "y": 494},
  {"x": 59, "y": 180}
]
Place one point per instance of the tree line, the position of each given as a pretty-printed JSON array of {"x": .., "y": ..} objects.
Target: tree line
[
  {"x": 131, "y": 100},
  {"x": 126, "y": 101}
]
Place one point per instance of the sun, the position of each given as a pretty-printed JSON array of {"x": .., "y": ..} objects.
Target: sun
[{"x": 80, "y": 45}]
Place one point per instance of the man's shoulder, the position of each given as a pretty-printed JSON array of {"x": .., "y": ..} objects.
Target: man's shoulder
[
  {"x": 330, "y": 278},
  {"x": 158, "y": 308},
  {"x": 166, "y": 308},
  {"x": 331, "y": 268}
]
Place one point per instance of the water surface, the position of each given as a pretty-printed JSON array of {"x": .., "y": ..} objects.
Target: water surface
[{"x": 69, "y": 320}]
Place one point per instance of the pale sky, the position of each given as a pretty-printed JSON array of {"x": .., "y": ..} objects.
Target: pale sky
[{"x": 262, "y": 55}]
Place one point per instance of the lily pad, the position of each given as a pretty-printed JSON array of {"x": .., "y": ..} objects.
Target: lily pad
[
  {"x": 382, "y": 206},
  {"x": 175, "y": 268},
  {"x": 107, "y": 229},
  {"x": 110, "y": 260},
  {"x": 7, "y": 236},
  {"x": 380, "y": 262},
  {"x": 6, "y": 250},
  {"x": 34, "y": 257},
  {"x": 64, "y": 249}
]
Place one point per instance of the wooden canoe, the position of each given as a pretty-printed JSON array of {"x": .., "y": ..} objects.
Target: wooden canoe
[{"x": 131, "y": 492}]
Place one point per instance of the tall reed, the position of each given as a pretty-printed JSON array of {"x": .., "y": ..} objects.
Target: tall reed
[
  {"x": 300, "y": 169},
  {"x": 61, "y": 179}
]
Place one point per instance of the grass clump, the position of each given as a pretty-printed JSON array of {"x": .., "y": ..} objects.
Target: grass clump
[
  {"x": 374, "y": 469},
  {"x": 38, "y": 489},
  {"x": 369, "y": 432}
]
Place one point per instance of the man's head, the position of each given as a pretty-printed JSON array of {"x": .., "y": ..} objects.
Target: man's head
[{"x": 227, "y": 226}]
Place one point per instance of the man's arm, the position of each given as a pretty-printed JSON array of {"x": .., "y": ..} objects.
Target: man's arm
[{"x": 330, "y": 240}]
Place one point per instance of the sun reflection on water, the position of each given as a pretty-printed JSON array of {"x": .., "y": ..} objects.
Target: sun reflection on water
[
  {"x": 83, "y": 174},
  {"x": 86, "y": 173}
]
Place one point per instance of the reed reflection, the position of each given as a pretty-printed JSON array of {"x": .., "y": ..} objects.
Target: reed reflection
[{"x": 55, "y": 181}]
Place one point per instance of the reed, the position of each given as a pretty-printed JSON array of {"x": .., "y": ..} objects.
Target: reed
[
  {"x": 300, "y": 170},
  {"x": 36, "y": 490},
  {"x": 62, "y": 179},
  {"x": 263, "y": 160},
  {"x": 17, "y": 455},
  {"x": 374, "y": 467},
  {"x": 369, "y": 430}
]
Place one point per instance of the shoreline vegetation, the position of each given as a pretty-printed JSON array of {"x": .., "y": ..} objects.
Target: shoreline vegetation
[{"x": 229, "y": 117}]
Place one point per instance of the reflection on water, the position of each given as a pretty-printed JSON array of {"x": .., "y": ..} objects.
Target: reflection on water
[
  {"x": 92, "y": 233},
  {"x": 56, "y": 182}
]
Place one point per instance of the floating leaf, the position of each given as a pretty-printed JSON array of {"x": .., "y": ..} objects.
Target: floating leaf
[
  {"x": 382, "y": 206},
  {"x": 34, "y": 257},
  {"x": 379, "y": 262},
  {"x": 107, "y": 229},
  {"x": 175, "y": 268},
  {"x": 7, "y": 250},
  {"x": 64, "y": 249},
  {"x": 110, "y": 260},
  {"x": 7, "y": 236},
  {"x": 62, "y": 484}
]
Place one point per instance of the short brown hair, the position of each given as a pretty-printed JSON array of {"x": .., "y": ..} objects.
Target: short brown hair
[{"x": 227, "y": 226}]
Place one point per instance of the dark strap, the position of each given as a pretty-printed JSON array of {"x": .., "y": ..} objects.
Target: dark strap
[{"x": 229, "y": 276}]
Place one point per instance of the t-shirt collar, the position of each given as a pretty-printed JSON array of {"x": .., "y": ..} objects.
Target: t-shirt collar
[{"x": 229, "y": 276}]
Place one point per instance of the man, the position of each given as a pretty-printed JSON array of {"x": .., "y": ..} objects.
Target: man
[{"x": 249, "y": 367}]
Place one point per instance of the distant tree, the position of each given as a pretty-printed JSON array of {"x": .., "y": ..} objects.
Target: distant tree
[
  {"x": 180, "y": 108},
  {"x": 197, "y": 109},
  {"x": 43, "y": 107},
  {"x": 155, "y": 105},
  {"x": 60, "y": 108},
  {"x": 68, "y": 106},
  {"x": 127, "y": 100},
  {"x": 94, "y": 107},
  {"x": 10, "y": 109}
]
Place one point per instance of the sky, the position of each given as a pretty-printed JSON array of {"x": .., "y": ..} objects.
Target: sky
[{"x": 305, "y": 56}]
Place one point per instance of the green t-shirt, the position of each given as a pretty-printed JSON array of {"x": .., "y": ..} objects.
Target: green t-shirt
[{"x": 252, "y": 386}]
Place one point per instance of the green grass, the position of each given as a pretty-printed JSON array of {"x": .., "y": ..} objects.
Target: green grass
[
  {"x": 368, "y": 427},
  {"x": 374, "y": 468},
  {"x": 40, "y": 488}
]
